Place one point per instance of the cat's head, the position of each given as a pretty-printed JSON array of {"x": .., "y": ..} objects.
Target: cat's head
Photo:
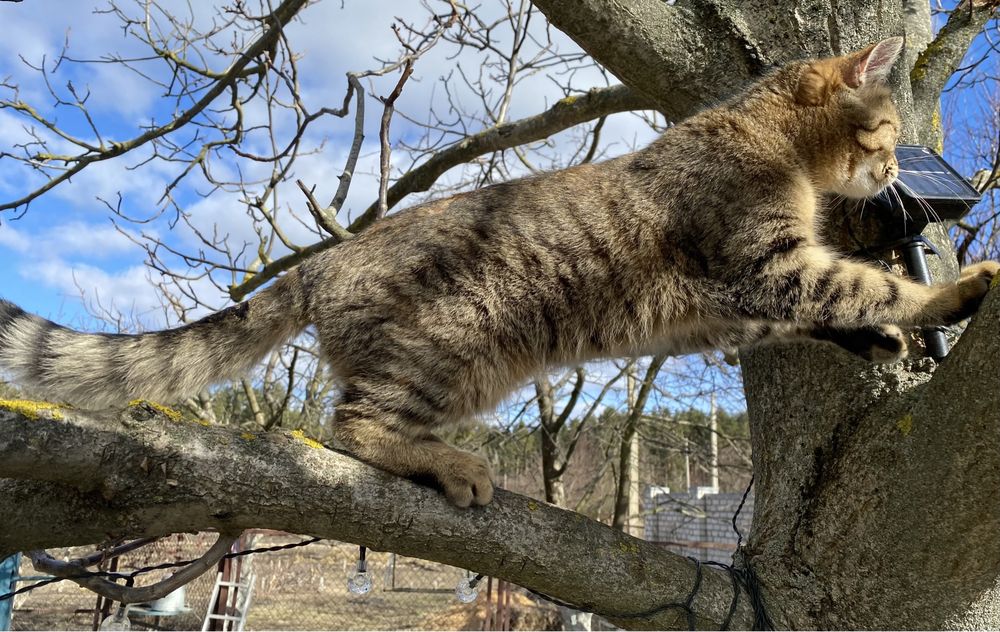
[{"x": 855, "y": 155}]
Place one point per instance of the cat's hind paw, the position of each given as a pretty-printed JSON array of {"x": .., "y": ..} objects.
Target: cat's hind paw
[{"x": 464, "y": 478}]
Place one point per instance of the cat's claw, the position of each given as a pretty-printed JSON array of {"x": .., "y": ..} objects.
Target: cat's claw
[{"x": 973, "y": 284}]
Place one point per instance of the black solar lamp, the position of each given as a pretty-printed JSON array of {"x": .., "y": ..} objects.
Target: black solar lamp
[{"x": 929, "y": 190}]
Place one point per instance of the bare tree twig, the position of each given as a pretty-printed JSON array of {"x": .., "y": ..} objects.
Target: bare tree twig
[
  {"x": 390, "y": 104},
  {"x": 352, "y": 156},
  {"x": 281, "y": 16},
  {"x": 278, "y": 412},
  {"x": 116, "y": 551},
  {"x": 564, "y": 114},
  {"x": 326, "y": 220}
]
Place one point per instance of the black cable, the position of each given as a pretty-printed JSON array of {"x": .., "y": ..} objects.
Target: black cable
[
  {"x": 130, "y": 576},
  {"x": 734, "y": 576},
  {"x": 745, "y": 577},
  {"x": 736, "y": 515},
  {"x": 741, "y": 576}
]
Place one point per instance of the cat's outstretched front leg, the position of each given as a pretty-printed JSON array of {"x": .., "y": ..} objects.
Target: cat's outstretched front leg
[{"x": 788, "y": 278}]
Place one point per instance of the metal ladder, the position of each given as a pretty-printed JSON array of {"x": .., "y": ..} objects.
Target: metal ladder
[{"x": 234, "y": 584}]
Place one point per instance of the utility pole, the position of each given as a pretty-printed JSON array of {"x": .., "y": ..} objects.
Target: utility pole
[
  {"x": 635, "y": 526},
  {"x": 713, "y": 438}
]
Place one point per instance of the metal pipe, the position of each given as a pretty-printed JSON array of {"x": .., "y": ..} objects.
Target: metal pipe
[{"x": 915, "y": 258}]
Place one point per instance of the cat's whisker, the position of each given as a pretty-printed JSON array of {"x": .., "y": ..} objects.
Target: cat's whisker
[
  {"x": 942, "y": 180},
  {"x": 926, "y": 206},
  {"x": 906, "y": 215}
]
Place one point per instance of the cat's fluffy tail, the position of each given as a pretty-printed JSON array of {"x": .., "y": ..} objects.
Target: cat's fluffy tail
[{"x": 106, "y": 370}]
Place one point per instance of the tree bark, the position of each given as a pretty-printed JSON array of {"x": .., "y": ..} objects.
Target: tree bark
[
  {"x": 875, "y": 485},
  {"x": 76, "y": 478}
]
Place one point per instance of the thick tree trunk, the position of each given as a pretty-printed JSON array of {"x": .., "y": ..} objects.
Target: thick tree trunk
[{"x": 875, "y": 485}]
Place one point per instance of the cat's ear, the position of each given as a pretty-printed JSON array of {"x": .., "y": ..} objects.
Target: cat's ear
[
  {"x": 872, "y": 64},
  {"x": 821, "y": 78}
]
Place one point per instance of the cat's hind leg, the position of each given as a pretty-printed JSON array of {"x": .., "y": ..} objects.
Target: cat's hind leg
[{"x": 400, "y": 442}]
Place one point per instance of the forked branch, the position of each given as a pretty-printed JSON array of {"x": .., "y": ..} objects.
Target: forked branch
[
  {"x": 74, "y": 164},
  {"x": 565, "y": 114}
]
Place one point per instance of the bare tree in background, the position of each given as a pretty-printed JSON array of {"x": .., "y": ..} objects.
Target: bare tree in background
[{"x": 848, "y": 531}]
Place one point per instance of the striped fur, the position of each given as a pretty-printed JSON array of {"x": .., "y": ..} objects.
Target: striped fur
[
  {"x": 105, "y": 370},
  {"x": 707, "y": 238}
]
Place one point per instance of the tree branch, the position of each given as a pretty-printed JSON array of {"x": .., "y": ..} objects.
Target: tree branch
[
  {"x": 674, "y": 53},
  {"x": 566, "y": 113},
  {"x": 938, "y": 62},
  {"x": 389, "y": 104},
  {"x": 144, "y": 472},
  {"x": 72, "y": 570},
  {"x": 581, "y": 380},
  {"x": 278, "y": 19},
  {"x": 917, "y": 23}
]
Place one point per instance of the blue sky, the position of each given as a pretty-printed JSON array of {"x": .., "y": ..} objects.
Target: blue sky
[{"x": 65, "y": 249}]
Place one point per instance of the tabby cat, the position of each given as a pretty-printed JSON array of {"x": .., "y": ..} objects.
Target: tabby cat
[{"x": 707, "y": 238}]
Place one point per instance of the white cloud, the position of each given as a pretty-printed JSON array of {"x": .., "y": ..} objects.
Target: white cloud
[
  {"x": 68, "y": 239},
  {"x": 332, "y": 41},
  {"x": 126, "y": 291}
]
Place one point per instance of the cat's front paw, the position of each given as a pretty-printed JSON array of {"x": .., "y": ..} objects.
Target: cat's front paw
[
  {"x": 973, "y": 284},
  {"x": 883, "y": 344},
  {"x": 887, "y": 345}
]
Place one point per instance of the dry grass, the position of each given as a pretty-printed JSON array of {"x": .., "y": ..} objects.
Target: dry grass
[{"x": 525, "y": 614}]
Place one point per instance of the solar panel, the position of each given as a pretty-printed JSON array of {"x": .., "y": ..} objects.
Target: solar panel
[
  {"x": 927, "y": 190},
  {"x": 924, "y": 176}
]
